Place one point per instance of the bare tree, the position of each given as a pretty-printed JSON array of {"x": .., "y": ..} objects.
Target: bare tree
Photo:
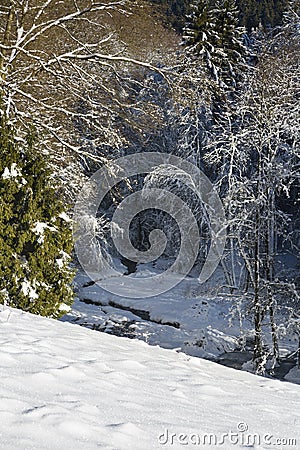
[
  {"x": 63, "y": 69},
  {"x": 256, "y": 147}
]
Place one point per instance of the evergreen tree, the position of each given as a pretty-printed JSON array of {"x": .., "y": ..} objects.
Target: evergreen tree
[
  {"x": 212, "y": 33},
  {"x": 35, "y": 233},
  {"x": 230, "y": 51},
  {"x": 267, "y": 13},
  {"x": 199, "y": 35},
  {"x": 175, "y": 11},
  {"x": 252, "y": 13},
  {"x": 198, "y": 27}
]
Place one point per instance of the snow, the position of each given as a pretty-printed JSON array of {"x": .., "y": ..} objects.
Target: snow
[
  {"x": 39, "y": 229},
  {"x": 199, "y": 320},
  {"x": 13, "y": 172},
  {"x": 64, "y": 386},
  {"x": 29, "y": 290},
  {"x": 61, "y": 262},
  {"x": 65, "y": 217},
  {"x": 64, "y": 307}
]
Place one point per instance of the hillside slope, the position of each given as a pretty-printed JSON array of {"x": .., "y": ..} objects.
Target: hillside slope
[{"x": 63, "y": 386}]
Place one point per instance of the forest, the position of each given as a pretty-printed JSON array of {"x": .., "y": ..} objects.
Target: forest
[{"x": 188, "y": 108}]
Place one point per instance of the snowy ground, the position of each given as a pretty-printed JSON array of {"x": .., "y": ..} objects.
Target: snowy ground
[
  {"x": 67, "y": 387},
  {"x": 196, "y": 319}
]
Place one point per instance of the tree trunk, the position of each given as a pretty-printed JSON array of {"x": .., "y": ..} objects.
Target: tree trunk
[{"x": 258, "y": 344}]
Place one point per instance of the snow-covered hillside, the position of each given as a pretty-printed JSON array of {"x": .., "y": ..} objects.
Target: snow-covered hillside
[{"x": 67, "y": 387}]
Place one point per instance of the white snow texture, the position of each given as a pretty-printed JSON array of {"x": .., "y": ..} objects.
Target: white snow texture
[{"x": 67, "y": 387}]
